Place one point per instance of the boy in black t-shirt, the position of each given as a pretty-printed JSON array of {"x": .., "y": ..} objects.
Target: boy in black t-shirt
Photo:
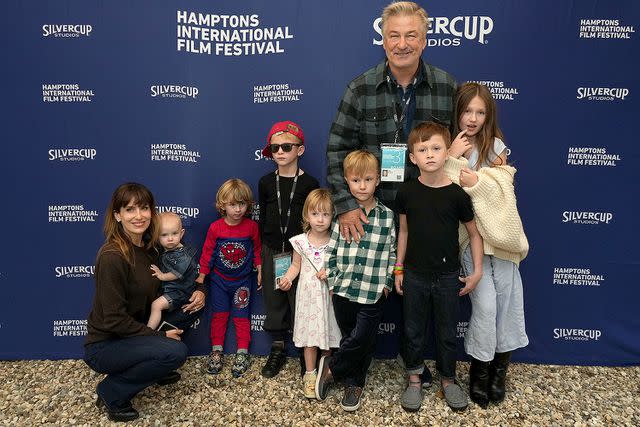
[
  {"x": 431, "y": 208},
  {"x": 281, "y": 194}
]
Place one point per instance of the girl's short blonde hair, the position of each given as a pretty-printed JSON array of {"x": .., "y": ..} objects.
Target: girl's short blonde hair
[
  {"x": 318, "y": 200},
  {"x": 234, "y": 190}
]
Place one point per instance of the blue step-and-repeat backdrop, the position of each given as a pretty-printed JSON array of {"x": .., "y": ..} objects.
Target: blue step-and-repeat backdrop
[{"x": 180, "y": 96}]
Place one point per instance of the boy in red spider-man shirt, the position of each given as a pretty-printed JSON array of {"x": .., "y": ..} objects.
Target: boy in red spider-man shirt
[{"x": 230, "y": 251}]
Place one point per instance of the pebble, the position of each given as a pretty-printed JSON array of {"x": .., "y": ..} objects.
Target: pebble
[{"x": 63, "y": 393}]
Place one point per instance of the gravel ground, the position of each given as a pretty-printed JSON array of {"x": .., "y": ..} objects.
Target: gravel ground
[{"x": 62, "y": 393}]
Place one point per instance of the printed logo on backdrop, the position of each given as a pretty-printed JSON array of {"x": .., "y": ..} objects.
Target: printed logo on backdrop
[
  {"x": 499, "y": 90},
  {"x": 461, "y": 329},
  {"x": 70, "y": 328},
  {"x": 71, "y": 154},
  {"x": 184, "y": 212},
  {"x": 174, "y": 91},
  {"x": 67, "y": 30},
  {"x": 66, "y": 92},
  {"x": 386, "y": 328},
  {"x": 604, "y": 29},
  {"x": 257, "y": 322},
  {"x": 179, "y": 153},
  {"x": 602, "y": 93},
  {"x": 71, "y": 213},
  {"x": 228, "y": 35},
  {"x": 594, "y": 218},
  {"x": 275, "y": 93},
  {"x": 591, "y": 156},
  {"x": 74, "y": 271},
  {"x": 568, "y": 334},
  {"x": 255, "y": 212},
  {"x": 572, "y": 276},
  {"x": 446, "y": 32}
]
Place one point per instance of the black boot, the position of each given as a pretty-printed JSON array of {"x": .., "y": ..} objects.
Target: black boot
[
  {"x": 479, "y": 382},
  {"x": 498, "y": 376},
  {"x": 276, "y": 360}
]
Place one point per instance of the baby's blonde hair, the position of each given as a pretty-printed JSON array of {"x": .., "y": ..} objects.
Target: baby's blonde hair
[{"x": 318, "y": 200}]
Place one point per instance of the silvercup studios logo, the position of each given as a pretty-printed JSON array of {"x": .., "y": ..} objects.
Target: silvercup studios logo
[
  {"x": 602, "y": 93},
  {"x": 445, "y": 31},
  {"x": 174, "y": 91},
  {"x": 71, "y": 154},
  {"x": 184, "y": 212},
  {"x": 74, "y": 271},
  {"x": 572, "y": 334},
  {"x": 577, "y": 217},
  {"x": 386, "y": 328},
  {"x": 67, "y": 30}
]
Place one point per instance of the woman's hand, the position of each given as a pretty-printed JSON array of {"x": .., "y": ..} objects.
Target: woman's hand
[
  {"x": 196, "y": 302},
  {"x": 174, "y": 334}
]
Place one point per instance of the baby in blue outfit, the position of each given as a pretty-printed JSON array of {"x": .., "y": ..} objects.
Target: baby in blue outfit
[{"x": 178, "y": 269}]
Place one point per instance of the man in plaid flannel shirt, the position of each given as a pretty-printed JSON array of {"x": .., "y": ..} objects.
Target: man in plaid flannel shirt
[
  {"x": 360, "y": 274},
  {"x": 365, "y": 117}
]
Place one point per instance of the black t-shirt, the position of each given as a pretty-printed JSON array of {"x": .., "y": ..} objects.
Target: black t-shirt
[
  {"x": 270, "y": 221},
  {"x": 433, "y": 217}
]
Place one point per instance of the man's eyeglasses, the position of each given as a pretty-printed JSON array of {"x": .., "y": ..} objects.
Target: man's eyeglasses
[{"x": 286, "y": 147}]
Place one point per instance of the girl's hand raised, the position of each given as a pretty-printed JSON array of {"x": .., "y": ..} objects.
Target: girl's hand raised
[{"x": 460, "y": 145}]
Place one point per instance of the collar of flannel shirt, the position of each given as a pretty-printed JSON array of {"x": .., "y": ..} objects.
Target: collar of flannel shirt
[{"x": 383, "y": 71}]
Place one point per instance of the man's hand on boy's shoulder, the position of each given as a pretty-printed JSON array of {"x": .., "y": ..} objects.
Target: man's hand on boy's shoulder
[
  {"x": 470, "y": 283},
  {"x": 351, "y": 224}
]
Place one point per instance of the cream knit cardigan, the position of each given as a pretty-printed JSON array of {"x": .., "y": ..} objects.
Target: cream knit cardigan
[{"x": 495, "y": 209}]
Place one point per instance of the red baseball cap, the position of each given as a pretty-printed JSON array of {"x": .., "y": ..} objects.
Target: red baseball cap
[{"x": 281, "y": 127}]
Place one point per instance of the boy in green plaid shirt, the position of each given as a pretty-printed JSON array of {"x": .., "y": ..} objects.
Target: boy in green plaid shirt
[{"x": 360, "y": 275}]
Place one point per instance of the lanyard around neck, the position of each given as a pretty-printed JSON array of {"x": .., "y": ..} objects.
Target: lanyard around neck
[
  {"x": 405, "y": 106},
  {"x": 283, "y": 229}
]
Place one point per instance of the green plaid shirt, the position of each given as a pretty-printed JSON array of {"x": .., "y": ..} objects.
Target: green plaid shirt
[
  {"x": 365, "y": 120},
  {"x": 360, "y": 271}
]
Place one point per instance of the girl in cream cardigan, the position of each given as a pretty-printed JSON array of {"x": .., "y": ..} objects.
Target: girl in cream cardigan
[{"x": 478, "y": 162}]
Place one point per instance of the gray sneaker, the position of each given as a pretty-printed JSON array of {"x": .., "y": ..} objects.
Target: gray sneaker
[
  {"x": 411, "y": 398},
  {"x": 425, "y": 377},
  {"x": 455, "y": 397}
]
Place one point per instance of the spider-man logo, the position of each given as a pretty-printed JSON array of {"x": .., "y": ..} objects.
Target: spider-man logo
[
  {"x": 241, "y": 297},
  {"x": 233, "y": 254}
]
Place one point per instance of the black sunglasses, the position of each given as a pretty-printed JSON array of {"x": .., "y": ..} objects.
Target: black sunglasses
[{"x": 286, "y": 147}]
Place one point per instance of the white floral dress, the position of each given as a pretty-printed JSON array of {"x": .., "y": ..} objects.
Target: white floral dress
[{"x": 315, "y": 323}]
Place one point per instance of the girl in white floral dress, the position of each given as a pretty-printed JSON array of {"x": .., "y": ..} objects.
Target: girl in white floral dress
[{"x": 315, "y": 325}]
